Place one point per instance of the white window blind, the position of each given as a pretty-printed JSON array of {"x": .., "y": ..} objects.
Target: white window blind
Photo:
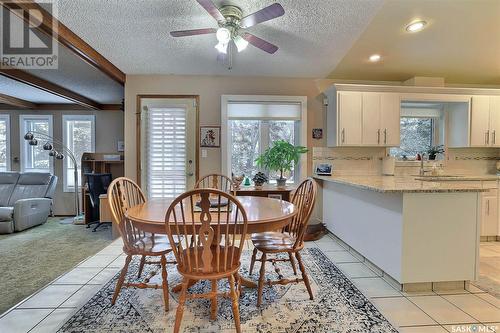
[
  {"x": 264, "y": 110},
  {"x": 166, "y": 152}
]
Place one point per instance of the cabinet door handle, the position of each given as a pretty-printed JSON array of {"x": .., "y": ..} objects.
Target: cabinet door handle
[
  {"x": 494, "y": 140},
  {"x": 488, "y": 207},
  {"x": 385, "y": 135},
  {"x": 343, "y": 135},
  {"x": 487, "y": 137},
  {"x": 378, "y": 135}
]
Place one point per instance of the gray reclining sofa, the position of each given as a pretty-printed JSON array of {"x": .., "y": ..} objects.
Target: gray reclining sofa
[{"x": 25, "y": 200}]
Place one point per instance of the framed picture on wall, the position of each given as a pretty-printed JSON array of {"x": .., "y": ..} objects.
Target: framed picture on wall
[
  {"x": 323, "y": 169},
  {"x": 210, "y": 136}
]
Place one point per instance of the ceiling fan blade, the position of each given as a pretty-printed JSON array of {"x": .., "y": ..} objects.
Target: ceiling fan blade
[
  {"x": 193, "y": 32},
  {"x": 211, "y": 9},
  {"x": 260, "y": 43},
  {"x": 265, "y": 14}
]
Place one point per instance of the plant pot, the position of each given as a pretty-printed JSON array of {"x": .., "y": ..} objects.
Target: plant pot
[
  {"x": 432, "y": 157},
  {"x": 258, "y": 186},
  {"x": 281, "y": 182}
]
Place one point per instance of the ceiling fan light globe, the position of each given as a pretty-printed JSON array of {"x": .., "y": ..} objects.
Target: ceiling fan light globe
[
  {"x": 223, "y": 35},
  {"x": 222, "y": 48},
  {"x": 241, "y": 43}
]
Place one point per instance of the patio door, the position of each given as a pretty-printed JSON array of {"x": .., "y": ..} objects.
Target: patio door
[{"x": 168, "y": 146}]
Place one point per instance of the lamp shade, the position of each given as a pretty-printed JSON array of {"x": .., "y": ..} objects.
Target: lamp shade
[
  {"x": 33, "y": 142},
  {"x": 28, "y": 136},
  {"x": 52, "y": 153},
  {"x": 47, "y": 146},
  {"x": 59, "y": 156}
]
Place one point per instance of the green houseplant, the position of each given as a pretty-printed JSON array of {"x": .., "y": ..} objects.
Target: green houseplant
[
  {"x": 281, "y": 157},
  {"x": 434, "y": 150}
]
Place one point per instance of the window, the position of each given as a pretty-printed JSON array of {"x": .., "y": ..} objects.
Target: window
[
  {"x": 34, "y": 158},
  {"x": 252, "y": 123},
  {"x": 417, "y": 135},
  {"x": 4, "y": 143},
  {"x": 422, "y": 126},
  {"x": 79, "y": 137}
]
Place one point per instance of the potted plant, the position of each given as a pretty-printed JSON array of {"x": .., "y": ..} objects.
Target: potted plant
[
  {"x": 259, "y": 179},
  {"x": 434, "y": 150},
  {"x": 281, "y": 157}
]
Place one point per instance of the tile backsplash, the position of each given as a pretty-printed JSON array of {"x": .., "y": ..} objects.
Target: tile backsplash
[{"x": 368, "y": 161}]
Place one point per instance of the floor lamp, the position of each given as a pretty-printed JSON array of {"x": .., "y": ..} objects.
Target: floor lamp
[{"x": 50, "y": 145}]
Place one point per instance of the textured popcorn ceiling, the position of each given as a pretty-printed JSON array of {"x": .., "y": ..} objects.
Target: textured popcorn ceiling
[{"x": 313, "y": 36}]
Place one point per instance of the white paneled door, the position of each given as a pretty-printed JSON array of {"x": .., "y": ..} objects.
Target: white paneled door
[{"x": 168, "y": 146}]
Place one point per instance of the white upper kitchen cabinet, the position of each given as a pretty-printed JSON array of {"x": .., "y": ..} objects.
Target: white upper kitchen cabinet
[
  {"x": 360, "y": 119},
  {"x": 350, "y": 118},
  {"x": 390, "y": 119},
  {"x": 485, "y": 121}
]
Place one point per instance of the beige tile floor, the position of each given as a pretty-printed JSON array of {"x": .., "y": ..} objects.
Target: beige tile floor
[{"x": 472, "y": 310}]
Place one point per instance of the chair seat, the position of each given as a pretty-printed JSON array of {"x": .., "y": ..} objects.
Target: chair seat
[
  {"x": 273, "y": 241},
  {"x": 152, "y": 245},
  {"x": 216, "y": 266}
]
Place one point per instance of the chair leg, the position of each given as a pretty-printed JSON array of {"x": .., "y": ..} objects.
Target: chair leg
[
  {"x": 235, "y": 299},
  {"x": 304, "y": 275},
  {"x": 141, "y": 266},
  {"x": 252, "y": 262},
  {"x": 261, "y": 278},
  {"x": 292, "y": 262},
  {"x": 121, "y": 279},
  {"x": 180, "y": 307},
  {"x": 213, "y": 308},
  {"x": 164, "y": 282}
]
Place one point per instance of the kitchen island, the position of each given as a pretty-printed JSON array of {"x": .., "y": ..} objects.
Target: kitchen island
[{"x": 418, "y": 232}]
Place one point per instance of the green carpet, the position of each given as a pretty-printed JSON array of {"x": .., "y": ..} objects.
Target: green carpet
[{"x": 33, "y": 258}]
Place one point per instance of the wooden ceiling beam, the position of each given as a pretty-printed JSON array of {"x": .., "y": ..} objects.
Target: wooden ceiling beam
[
  {"x": 52, "y": 88},
  {"x": 69, "y": 39},
  {"x": 16, "y": 102}
]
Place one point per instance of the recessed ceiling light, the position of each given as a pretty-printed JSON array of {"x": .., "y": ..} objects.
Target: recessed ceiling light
[
  {"x": 375, "y": 57},
  {"x": 416, "y": 26}
]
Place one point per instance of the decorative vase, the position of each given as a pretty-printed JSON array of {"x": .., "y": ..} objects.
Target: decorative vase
[
  {"x": 258, "y": 186},
  {"x": 281, "y": 182}
]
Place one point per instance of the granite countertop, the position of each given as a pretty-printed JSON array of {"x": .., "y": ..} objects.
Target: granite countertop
[{"x": 408, "y": 184}]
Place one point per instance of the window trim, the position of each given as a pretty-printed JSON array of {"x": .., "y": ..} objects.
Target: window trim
[
  {"x": 226, "y": 99},
  {"x": 6, "y": 117},
  {"x": 22, "y": 142},
  {"x": 71, "y": 117}
]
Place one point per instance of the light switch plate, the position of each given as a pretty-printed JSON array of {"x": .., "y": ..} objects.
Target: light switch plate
[{"x": 203, "y": 153}]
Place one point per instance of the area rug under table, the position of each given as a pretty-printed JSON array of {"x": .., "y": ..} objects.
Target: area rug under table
[{"x": 337, "y": 306}]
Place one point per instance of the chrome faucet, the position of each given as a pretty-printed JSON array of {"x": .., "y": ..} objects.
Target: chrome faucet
[{"x": 422, "y": 171}]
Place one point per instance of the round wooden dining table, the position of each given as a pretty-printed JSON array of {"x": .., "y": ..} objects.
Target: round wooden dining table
[{"x": 263, "y": 214}]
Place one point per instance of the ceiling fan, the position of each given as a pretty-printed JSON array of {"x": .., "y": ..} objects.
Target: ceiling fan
[{"x": 231, "y": 23}]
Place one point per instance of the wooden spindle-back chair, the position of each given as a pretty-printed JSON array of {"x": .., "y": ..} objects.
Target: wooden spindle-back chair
[
  {"x": 290, "y": 240},
  {"x": 217, "y": 181},
  {"x": 124, "y": 193},
  {"x": 214, "y": 225}
]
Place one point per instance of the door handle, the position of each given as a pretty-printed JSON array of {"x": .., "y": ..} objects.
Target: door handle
[
  {"x": 385, "y": 135},
  {"x": 378, "y": 135},
  {"x": 488, "y": 207},
  {"x": 487, "y": 137},
  {"x": 343, "y": 135},
  {"x": 494, "y": 139}
]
